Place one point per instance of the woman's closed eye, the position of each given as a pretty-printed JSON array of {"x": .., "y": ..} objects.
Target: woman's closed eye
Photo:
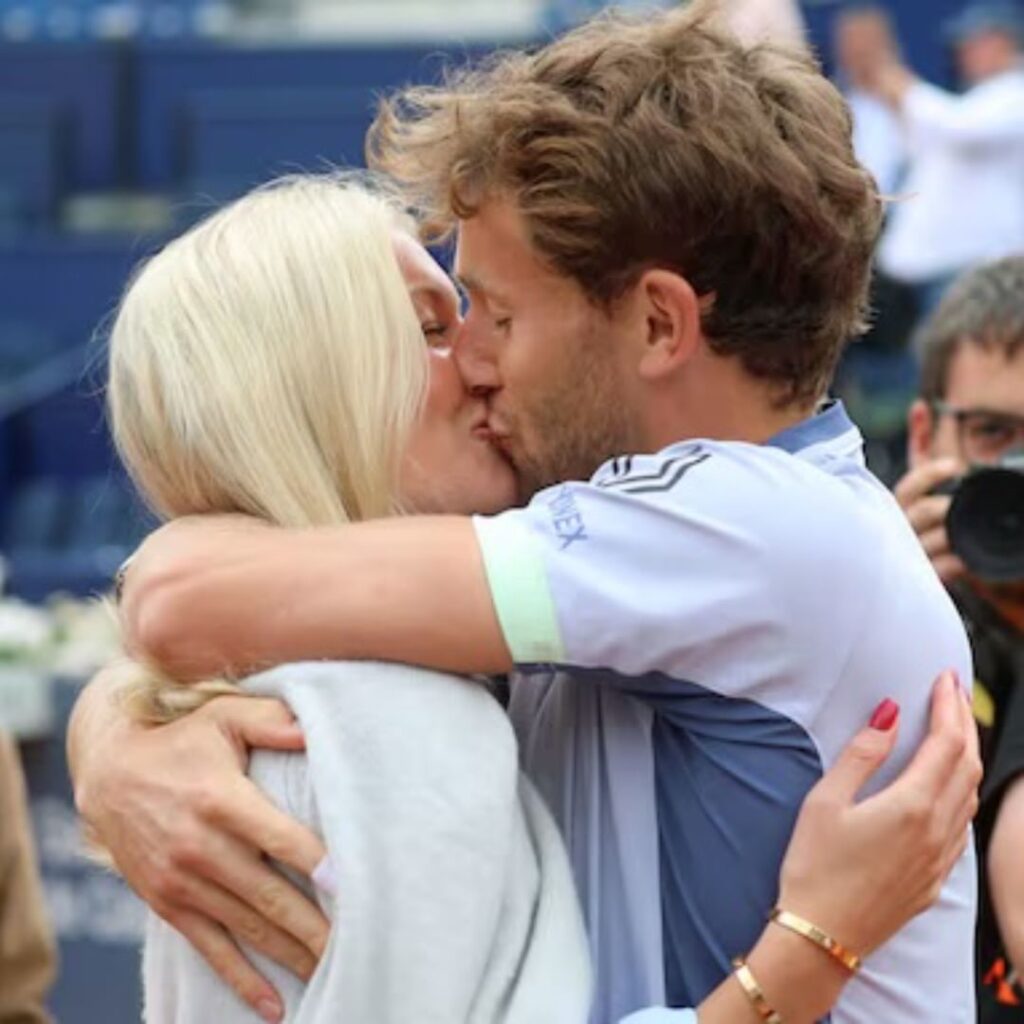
[{"x": 436, "y": 333}]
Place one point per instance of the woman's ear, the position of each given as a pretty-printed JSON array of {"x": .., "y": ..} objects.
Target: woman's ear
[
  {"x": 672, "y": 313},
  {"x": 920, "y": 433}
]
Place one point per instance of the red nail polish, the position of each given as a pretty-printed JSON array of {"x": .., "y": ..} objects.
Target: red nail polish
[{"x": 885, "y": 715}]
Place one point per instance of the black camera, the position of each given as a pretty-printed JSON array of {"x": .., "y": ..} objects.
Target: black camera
[{"x": 986, "y": 519}]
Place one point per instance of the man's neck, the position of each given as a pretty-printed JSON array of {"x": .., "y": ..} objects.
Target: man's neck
[{"x": 722, "y": 403}]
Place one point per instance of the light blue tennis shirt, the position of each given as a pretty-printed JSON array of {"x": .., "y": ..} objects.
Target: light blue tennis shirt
[{"x": 697, "y": 634}]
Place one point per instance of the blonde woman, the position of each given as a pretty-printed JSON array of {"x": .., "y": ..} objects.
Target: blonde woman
[{"x": 272, "y": 362}]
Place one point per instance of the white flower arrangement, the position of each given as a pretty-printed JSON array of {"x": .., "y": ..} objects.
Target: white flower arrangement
[
  {"x": 67, "y": 638},
  {"x": 27, "y": 633},
  {"x": 86, "y": 636}
]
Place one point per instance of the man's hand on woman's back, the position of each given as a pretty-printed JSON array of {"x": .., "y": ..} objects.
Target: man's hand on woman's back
[{"x": 189, "y": 832}]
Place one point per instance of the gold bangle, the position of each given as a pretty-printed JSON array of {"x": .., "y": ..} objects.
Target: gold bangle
[
  {"x": 753, "y": 992},
  {"x": 814, "y": 934}
]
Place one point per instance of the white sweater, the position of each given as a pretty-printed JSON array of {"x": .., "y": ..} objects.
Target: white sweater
[{"x": 455, "y": 899}]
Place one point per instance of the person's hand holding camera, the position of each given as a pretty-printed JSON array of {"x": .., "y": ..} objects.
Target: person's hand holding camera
[{"x": 927, "y": 511}]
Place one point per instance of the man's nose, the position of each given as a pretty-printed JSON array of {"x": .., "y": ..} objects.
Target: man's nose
[{"x": 475, "y": 361}]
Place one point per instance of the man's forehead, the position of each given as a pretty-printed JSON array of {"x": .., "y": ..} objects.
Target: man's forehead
[
  {"x": 987, "y": 375},
  {"x": 483, "y": 263},
  {"x": 470, "y": 276},
  {"x": 495, "y": 258}
]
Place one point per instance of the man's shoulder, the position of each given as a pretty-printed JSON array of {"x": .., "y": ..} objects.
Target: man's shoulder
[
  {"x": 322, "y": 686},
  {"x": 654, "y": 474},
  {"x": 730, "y": 482},
  {"x": 733, "y": 510}
]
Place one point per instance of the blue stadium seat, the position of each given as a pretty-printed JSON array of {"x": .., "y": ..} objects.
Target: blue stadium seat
[
  {"x": 31, "y": 166},
  {"x": 61, "y": 536},
  {"x": 64, "y": 436},
  {"x": 83, "y": 83},
  {"x": 24, "y": 344},
  {"x": 236, "y": 138},
  {"x": 65, "y": 284},
  {"x": 168, "y": 75},
  {"x": 104, "y": 514},
  {"x": 35, "y": 517}
]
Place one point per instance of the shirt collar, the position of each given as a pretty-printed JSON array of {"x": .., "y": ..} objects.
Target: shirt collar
[
  {"x": 827, "y": 433},
  {"x": 828, "y": 423}
]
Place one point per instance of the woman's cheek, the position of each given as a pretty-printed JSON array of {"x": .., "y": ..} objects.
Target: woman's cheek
[{"x": 445, "y": 391}]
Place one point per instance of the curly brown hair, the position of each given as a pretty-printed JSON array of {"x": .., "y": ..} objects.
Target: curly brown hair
[{"x": 664, "y": 142}]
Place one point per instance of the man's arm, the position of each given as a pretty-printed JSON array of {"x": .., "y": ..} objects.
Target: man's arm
[
  {"x": 206, "y": 596},
  {"x": 932, "y": 114},
  {"x": 164, "y": 800},
  {"x": 573, "y": 579}
]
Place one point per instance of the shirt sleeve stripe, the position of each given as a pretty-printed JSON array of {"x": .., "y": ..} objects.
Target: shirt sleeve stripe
[{"x": 518, "y": 581}]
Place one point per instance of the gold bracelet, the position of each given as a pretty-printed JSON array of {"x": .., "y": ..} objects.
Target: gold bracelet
[
  {"x": 753, "y": 992},
  {"x": 814, "y": 934}
]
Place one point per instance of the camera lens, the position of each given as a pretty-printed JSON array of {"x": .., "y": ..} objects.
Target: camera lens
[{"x": 986, "y": 523}]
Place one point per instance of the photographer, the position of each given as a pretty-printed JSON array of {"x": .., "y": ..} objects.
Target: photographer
[{"x": 970, "y": 415}]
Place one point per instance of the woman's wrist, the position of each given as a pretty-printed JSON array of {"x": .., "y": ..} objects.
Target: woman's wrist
[{"x": 799, "y": 979}]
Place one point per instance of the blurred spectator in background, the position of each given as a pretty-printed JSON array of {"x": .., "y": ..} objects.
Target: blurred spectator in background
[
  {"x": 28, "y": 961},
  {"x": 752, "y": 20},
  {"x": 758, "y": 21},
  {"x": 561, "y": 15},
  {"x": 965, "y": 181},
  {"x": 862, "y": 36},
  {"x": 971, "y": 412}
]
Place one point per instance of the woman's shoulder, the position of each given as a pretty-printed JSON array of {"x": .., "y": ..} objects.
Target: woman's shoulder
[
  {"x": 331, "y": 679},
  {"x": 380, "y": 698},
  {"x": 384, "y": 740}
]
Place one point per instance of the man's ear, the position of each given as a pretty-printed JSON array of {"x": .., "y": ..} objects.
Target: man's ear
[
  {"x": 672, "y": 311},
  {"x": 920, "y": 433}
]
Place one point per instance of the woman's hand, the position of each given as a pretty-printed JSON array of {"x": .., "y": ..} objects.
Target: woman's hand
[
  {"x": 189, "y": 832},
  {"x": 861, "y": 871}
]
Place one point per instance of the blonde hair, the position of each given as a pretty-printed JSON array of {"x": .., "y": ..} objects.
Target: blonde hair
[{"x": 268, "y": 362}]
